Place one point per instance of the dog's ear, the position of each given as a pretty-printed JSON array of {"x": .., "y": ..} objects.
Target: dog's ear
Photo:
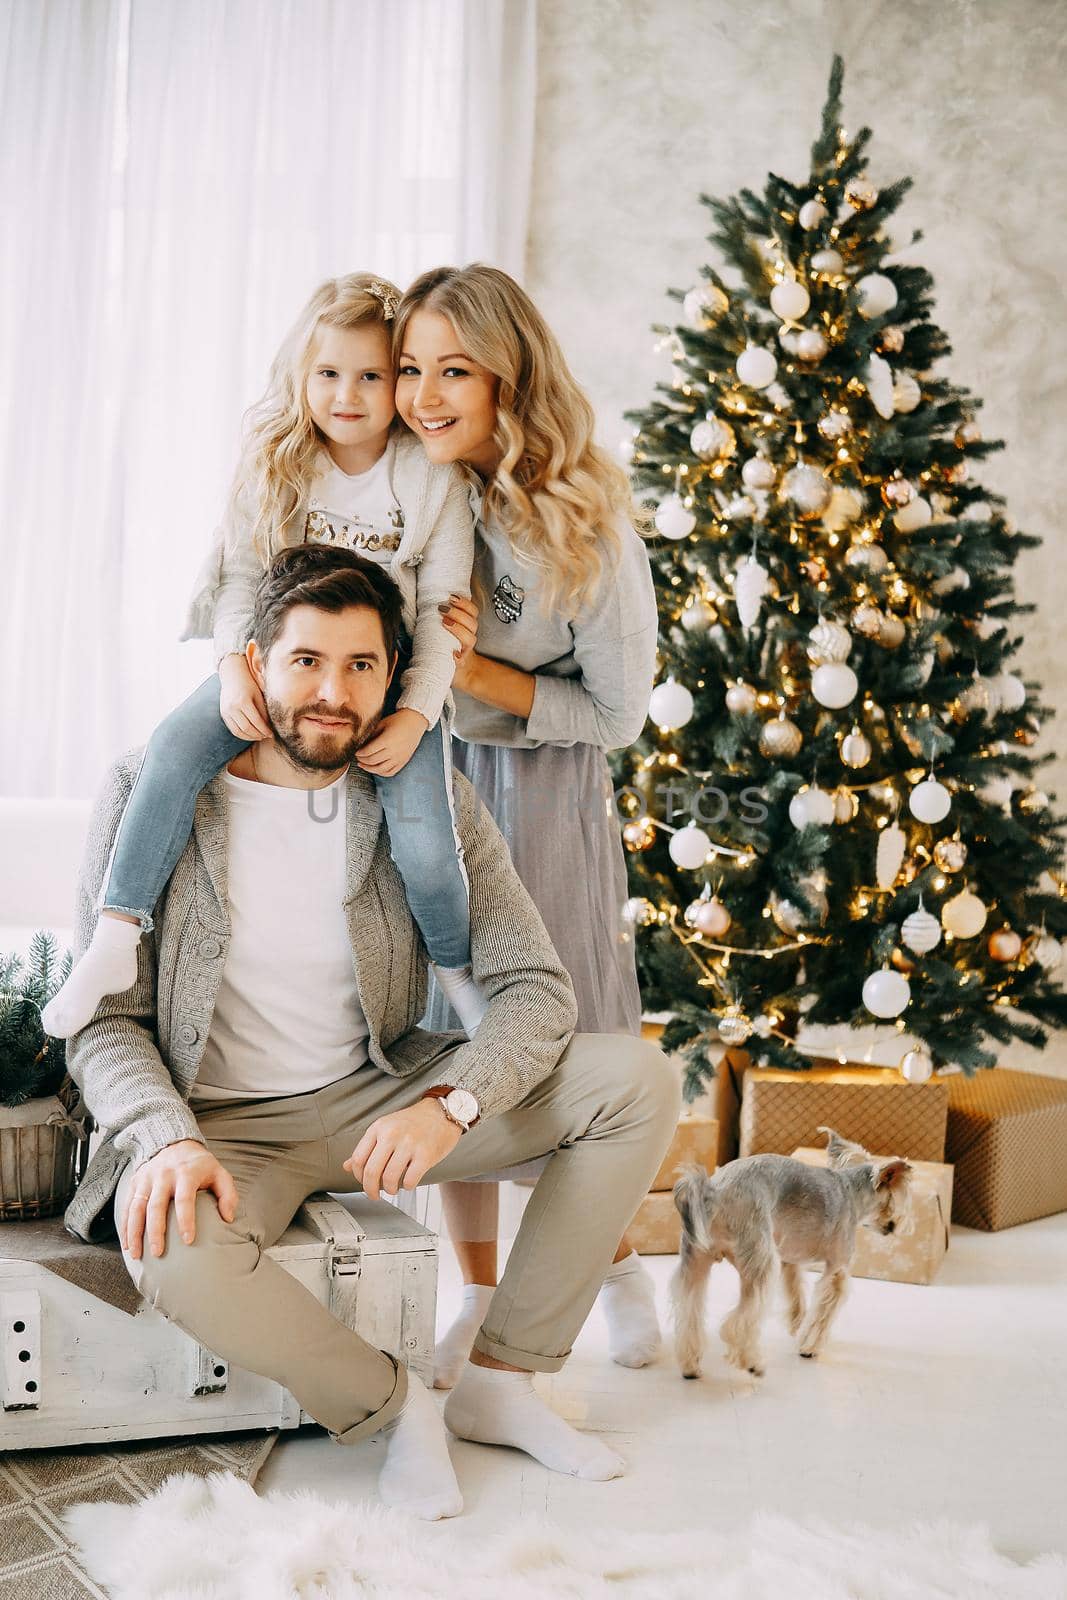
[
  {"x": 843, "y": 1152},
  {"x": 892, "y": 1174}
]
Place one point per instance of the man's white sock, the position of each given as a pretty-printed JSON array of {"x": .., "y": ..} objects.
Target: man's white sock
[
  {"x": 455, "y": 1347},
  {"x": 628, "y": 1297},
  {"x": 417, "y": 1474},
  {"x": 109, "y": 966},
  {"x": 494, "y": 1407},
  {"x": 463, "y": 995}
]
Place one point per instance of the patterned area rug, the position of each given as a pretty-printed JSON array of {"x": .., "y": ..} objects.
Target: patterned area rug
[{"x": 37, "y": 1559}]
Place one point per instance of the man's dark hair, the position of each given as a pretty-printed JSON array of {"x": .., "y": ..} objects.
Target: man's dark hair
[{"x": 331, "y": 579}]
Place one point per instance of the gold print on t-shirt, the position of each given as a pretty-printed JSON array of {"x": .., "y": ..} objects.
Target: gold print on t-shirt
[{"x": 325, "y": 527}]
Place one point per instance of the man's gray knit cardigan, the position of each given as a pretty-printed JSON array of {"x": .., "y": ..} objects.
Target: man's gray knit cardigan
[{"x": 137, "y": 1060}]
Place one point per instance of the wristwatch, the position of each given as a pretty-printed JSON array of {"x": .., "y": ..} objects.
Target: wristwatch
[{"x": 458, "y": 1105}]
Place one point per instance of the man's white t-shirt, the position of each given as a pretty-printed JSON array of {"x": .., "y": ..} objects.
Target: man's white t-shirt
[
  {"x": 288, "y": 1017},
  {"x": 356, "y": 511}
]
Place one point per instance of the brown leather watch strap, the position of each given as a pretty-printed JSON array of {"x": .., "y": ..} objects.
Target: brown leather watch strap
[{"x": 439, "y": 1092}]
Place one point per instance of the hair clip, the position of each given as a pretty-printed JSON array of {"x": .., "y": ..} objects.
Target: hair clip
[{"x": 387, "y": 297}]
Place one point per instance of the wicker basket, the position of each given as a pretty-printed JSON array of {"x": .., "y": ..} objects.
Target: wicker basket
[{"x": 40, "y": 1148}]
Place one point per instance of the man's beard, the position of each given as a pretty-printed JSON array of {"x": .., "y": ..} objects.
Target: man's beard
[{"x": 322, "y": 751}]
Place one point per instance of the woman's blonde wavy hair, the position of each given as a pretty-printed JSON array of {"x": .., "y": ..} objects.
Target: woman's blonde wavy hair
[
  {"x": 281, "y": 442},
  {"x": 557, "y": 494}
]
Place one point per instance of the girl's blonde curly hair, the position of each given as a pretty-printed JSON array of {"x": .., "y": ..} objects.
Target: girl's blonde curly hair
[
  {"x": 557, "y": 494},
  {"x": 281, "y": 443}
]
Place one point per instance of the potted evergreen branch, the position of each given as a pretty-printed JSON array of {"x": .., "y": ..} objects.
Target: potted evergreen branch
[{"x": 39, "y": 1134}]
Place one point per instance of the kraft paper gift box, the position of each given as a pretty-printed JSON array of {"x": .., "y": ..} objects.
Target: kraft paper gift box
[
  {"x": 696, "y": 1139},
  {"x": 656, "y": 1230},
  {"x": 912, "y": 1257},
  {"x": 1007, "y": 1135},
  {"x": 872, "y": 1105}
]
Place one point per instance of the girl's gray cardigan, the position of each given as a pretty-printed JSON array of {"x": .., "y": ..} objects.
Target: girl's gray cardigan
[{"x": 433, "y": 561}]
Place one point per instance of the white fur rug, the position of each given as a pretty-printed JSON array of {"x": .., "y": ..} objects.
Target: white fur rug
[{"x": 216, "y": 1539}]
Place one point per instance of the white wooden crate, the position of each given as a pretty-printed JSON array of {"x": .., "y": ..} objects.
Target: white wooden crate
[{"x": 76, "y": 1370}]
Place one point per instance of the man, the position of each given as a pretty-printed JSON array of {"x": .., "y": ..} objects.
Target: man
[{"x": 270, "y": 1048}]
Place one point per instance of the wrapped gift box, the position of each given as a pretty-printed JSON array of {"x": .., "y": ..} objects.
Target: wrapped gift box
[
  {"x": 656, "y": 1230},
  {"x": 1007, "y": 1136},
  {"x": 872, "y": 1105},
  {"x": 696, "y": 1139},
  {"x": 912, "y": 1257}
]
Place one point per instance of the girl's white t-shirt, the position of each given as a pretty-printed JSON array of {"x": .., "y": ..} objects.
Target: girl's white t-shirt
[
  {"x": 357, "y": 511},
  {"x": 288, "y": 1018}
]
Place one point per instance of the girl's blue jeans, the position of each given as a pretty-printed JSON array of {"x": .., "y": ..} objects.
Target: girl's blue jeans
[{"x": 193, "y": 743}]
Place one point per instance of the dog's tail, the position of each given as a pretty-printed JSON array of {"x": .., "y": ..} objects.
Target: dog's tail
[{"x": 693, "y": 1197}]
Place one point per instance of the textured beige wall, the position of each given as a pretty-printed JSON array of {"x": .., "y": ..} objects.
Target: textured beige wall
[{"x": 642, "y": 106}]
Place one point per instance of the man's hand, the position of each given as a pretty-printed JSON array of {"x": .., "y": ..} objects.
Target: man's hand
[
  {"x": 394, "y": 744},
  {"x": 176, "y": 1172},
  {"x": 398, "y": 1150}
]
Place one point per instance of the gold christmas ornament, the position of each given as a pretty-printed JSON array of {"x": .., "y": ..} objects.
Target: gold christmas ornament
[
  {"x": 865, "y": 557},
  {"x": 891, "y": 341},
  {"x": 1005, "y": 945},
  {"x": 828, "y": 641},
  {"x": 780, "y": 738},
  {"x": 835, "y": 425},
  {"x": 898, "y": 491},
  {"x": 808, "y": 488},
  {"x": 917, "y": 1066},
  {"x": 968, "y": 433},
  {"x": 708, "y": 916},
  {"x": 787, "y": 917},
  {"x": 958, "y": 473},
  {"x": 891, "y": 634},
  {"x": 734, "y": 1026},
  {"x": 741, "y": 699},
  {"x": 815, "y": 569},
  {"x": 639, "y": 834},
  {"x": 638, "y": 912},
  {"x": 846, "y": 805},
  {"x": 855, "y": 748},
  {"x": 964, "y": 915},
  {"x": 1031, "y": 801},
  {"x": 860, "y": 194},
  {"x": 868, "y": 620},
  {"x": 902, "y": 962}
]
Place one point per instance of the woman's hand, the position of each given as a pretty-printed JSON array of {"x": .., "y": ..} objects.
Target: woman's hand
[
  {"x": 244, "y": 710},
  {"x": 460, "y": 617},
  {"x": 394, "y": 744}
]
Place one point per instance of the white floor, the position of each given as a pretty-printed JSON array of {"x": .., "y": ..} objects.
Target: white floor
[{"x": 948, "y": 1400}]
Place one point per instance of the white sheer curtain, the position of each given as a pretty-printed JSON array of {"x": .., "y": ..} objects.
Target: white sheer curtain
[{"x": 177, "y": 175}]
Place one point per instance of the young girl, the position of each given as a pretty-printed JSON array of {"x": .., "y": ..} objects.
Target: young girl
[
  {"x": 323, "y": 460},
  {"x": 556, "y": 667}
]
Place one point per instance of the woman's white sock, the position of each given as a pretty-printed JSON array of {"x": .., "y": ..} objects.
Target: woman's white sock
[
  {"x": 495, "y": 1407},
  {"x": 628, "y": 1297},
  {"x": 109, "y": 966},
  {"x": 455, "y": 1347},
  {"x": 463, "y": 995},
  {"x": 417, "y": 1474}
]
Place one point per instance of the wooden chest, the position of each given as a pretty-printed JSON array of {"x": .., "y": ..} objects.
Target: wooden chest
[{"x": 77, "y": 1370}]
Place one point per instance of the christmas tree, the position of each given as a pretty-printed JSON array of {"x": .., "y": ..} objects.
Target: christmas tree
[{"x": 832, "y": 816}]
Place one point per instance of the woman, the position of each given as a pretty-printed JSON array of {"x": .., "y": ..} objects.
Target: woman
[{"x": 556, "y": 664}]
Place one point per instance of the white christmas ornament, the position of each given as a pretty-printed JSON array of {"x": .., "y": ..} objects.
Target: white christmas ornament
[
  {"x": 889, "y": 856},
  {"x": 845, "y": 506},
  {"x": 870, "y": 557},
  {"x": 964, "y": 915},
  {"x": 886, "y": 993},
  {"x": 713, "y": 439},
  {"x": 812, "y": 213},
  {"x": 709, "y": 916},
  {"x": 674, "y": 518},
  {"x": 689, "y": 847},
  {"x": 829, "y": 641},
  {"x": 891, "y": 633},
  {"x": 915, "y": 515},
  {"x": 812, "y": 345},
  {"x": 741, "y": 699},
  {"x": 921, "y": 932},
  {"x": 1047, "y": 952},
  {"x": 834, "y": 684},
  {"x": 695, "y": 618},
  {"x": 877, "y": 294},
  {"x": 879, "y": 382},
  {"x": 756, "y": 366},
  {"x": 1011, "y": 691},
  {"x": 670, "y": 705},
  {"x": 827, "y": 262},
  {"x": 812, "y": 808},
  {"x": 750, "y": 585},
  {"x": 957, "y": 578},
  {"x": 917, "y": 1067},
  {"x": 790, "y": 300},
  {"x": 929, "y": 801},
  {"x": 638, "y": 912},
  {"x": 704, "y": 304},
  {"x": 906, "y": 393},
  {"x": 855, "y": 749},
  {"x": 808, "y": 488},
  {"x": 759, "y": 473},
  {"x": 739, "y": 506}
]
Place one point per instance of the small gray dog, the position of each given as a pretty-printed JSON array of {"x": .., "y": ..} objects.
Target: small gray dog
[{"x": 762, "y": 1210}]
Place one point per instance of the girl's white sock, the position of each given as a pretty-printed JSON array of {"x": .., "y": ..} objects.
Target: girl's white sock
[
  {"x": 455, "y": 1347},
  {"x": 109, "y": 966},
  {"x": 417, "y": 1474},
  {"x": 628, "y": 1297},
  {"x": 494, "y": 1407},
  {"x": 463, "y": 995}
]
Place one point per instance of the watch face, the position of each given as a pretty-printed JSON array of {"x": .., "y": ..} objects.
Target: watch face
[{"x": 462, "y": 1104}]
